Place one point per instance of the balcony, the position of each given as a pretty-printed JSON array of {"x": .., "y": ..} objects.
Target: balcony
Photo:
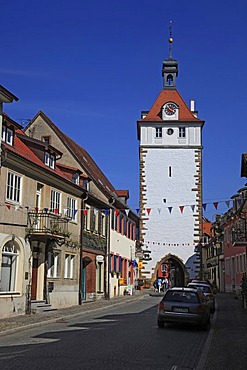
[
  {"x": 47, "y": 224},
  {"x": 94, "y": 241},
  {"x": 239, "y": 235}
]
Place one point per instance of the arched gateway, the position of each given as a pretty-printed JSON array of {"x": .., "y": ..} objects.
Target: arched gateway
[{"x": 172, "y": 268}]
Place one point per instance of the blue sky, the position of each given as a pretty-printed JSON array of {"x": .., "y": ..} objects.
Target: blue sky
[{"x": 92, "y": 66}]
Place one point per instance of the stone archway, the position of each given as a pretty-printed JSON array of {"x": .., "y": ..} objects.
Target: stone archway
[{"x": 173, "y": 268}]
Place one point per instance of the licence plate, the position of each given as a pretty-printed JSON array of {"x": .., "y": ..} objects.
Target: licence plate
[{"x": 180, "y": 309}]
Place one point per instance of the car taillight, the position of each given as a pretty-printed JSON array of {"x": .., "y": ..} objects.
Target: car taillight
[{"x": 161, "y": 306}]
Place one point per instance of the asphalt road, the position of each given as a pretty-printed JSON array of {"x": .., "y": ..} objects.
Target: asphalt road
[{"x": 121, "y": 337}]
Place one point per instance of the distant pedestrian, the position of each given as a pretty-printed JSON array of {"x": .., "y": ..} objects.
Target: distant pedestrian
[{"x": 159, "y": 284}]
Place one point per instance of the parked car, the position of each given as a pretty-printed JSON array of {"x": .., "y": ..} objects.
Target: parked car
[
  {"x": 184, "y": 305},
  {"x": 207, "y": 291}
]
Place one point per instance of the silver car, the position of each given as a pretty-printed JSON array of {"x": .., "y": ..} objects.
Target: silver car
[
  {"x": 183, "y": 305},
  {"x": 207, "y": 291}
]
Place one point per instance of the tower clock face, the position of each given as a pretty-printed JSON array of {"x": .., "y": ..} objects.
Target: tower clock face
[{"x": 170, "y": 109}]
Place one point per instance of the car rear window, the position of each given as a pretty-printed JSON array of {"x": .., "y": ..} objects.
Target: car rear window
[
  {"x": 181, "y": 296},
  {"x": 204, "y": 289}
]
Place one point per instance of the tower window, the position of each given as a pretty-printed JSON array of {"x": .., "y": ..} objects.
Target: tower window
[
  {"x": 170, "y": 171},
  {"x": 158, "y": 132},
  {"x": 169, "y": 80},
  {"x": 181, "y": 132}
]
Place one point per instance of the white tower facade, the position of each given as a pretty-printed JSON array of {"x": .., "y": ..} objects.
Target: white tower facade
[{"x": 170, "y": 149}]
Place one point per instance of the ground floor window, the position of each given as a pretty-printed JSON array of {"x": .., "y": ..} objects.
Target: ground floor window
[
  {"x": 53, "y": 264},
  {"x": 9, "y": 267},
  {"x": 69, "y": 266}
]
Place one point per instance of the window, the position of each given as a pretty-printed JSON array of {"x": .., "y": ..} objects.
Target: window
[
  {"x": 87, "y": 219},
  {"x": 103, "y": 224},
  {"x": 69, "y": 266},
  {"x": 227, "y": 266},
  {"x": 13, "y": 187},
  {"x": 71, "y": 208},
  {"x": 240, "y": 263},
  {"x": 76, "y": 178},
  {"x": 170, "y": 171},
  {"x": 158, "y": 132},
  {"x": 49, "y": 160},
  {"x": 7, "y": 135},
  {"x": 9, "y": 267},
  {"x": 86, "y": 184},
  {"x": 46, "y": 139},
  {"x": 55, "y": 201},
  {"x": 181, "y": 132},
  {"x": 53, "y": 261}
]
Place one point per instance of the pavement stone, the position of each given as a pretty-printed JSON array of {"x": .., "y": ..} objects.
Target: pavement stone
[
  {"x": 226, "y": 345},
  {"x": 21, "y": 322}
]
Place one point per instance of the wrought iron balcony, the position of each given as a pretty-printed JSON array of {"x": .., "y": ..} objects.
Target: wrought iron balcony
[
  {"x": 239, "y": 235},
  {"x": 94, "y": 241},
  {"x": 44, "y": 223}
]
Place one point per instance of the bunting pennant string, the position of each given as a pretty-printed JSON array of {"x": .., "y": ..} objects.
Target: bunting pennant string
[{"x": 148, "y": 210}]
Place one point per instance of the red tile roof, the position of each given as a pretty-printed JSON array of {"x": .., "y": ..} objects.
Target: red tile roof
[
  {"x": 82, "y": 156},
  {"x": 166, "y": 96}
]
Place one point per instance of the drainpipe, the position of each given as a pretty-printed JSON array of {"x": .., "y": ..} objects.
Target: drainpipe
[{"x": 84, "y": 198}]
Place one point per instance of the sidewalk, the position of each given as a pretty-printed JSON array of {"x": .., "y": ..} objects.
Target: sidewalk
[
  {"x": 226, "y": 345},
  {"x": 20, "y": 322}
]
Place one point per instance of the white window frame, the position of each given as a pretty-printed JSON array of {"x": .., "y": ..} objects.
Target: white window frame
[
  {"x": 103, "y": 224},
  {"x": 182, "y": 132},
  {"x": 14, "y": 186},
  {"x": 69, "y": 266},
  {"x": 7, "y": 135},
  {"x": 158, "y": 132},
  {"x": 49, "y": 160},
  {"x": 52, "y": 264},
  {"x": 71, "y": 208},
  {"x": 76, "y": 178},
  {"x": 55, "y": 201},
  {"x": 10, "y": 256}
]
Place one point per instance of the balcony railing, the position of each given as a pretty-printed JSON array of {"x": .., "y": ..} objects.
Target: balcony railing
[
  {"x": 239, "y": 235},
  {"x": 44, "y": 223},
  {"x": 94, "y": 241}
]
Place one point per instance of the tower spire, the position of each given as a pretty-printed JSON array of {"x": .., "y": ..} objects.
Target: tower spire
[
  {"x": 170, "y": 66},
  {"x": 170, "y": 40}
]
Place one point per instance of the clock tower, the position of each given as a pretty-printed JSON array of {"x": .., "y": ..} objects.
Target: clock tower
[{"x": 170, "y": 151}]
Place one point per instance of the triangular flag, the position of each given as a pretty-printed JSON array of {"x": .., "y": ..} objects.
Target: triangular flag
[
  {"x": 85, "y": 211},
  {"x": 170, "y": 209},
  {"x": 116, "y": 211},
  {"x": 46, "y": 210},
  {"x": 181, "y": 208},
  {"x": 192, "y": 207},
  {"x": 127, "y": 212},
  {"x": 56, "y": 211},
  {"x": 75, "y": 211},
  {"x": 107, "y": 211},
  {"x": 204, "y": 206},
  {"x": 216, "y": 204},
  {"x": 65, "y": 211},
  {"x": 148, "y": 210},
  {"x": 137, "y": 210},
  {"x": 17, "y": 207},
  {"x": 159, "y": 210},
  {"x": 36, "y": 209},
  {"x": 8, "y": 206},
  {"x": 228, "y": 203}
]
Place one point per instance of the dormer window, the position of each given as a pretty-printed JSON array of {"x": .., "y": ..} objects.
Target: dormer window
[
  {"x": 76, "y": 178},
  {"x": 7, "y": 135},
  {"x": 49, "y": 160},
  {"x": 86, "y": 184}
]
